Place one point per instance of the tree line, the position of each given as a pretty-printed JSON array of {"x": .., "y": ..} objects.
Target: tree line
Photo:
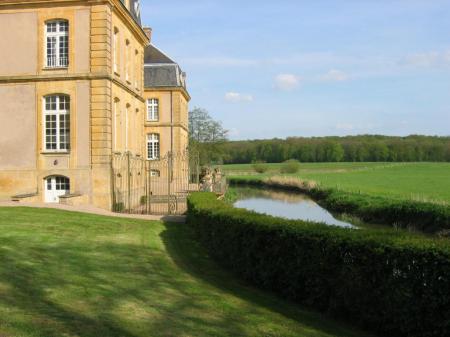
[
  {"x": 210, "y": 139},
  {"x": 365, "y": 148}
]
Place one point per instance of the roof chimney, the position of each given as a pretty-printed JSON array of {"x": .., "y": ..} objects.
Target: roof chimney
[{"x": 148, "y": 32}]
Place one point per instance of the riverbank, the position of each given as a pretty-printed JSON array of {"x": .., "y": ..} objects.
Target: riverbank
[
  {"x": 425, "y": 182},
  {"x": 422, "y": 216}
]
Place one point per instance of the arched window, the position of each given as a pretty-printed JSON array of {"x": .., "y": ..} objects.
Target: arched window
[
  {"x": 153, "y": 146},
  {"x": 153, "y": 109},
  {"x": 57, "y": 43},
  {"x": 57, "y": 123}
]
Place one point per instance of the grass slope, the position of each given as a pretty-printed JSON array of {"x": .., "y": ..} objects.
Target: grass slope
[
  {"x": 417, "y": 181},
  {"x": 70, "y": 274}
]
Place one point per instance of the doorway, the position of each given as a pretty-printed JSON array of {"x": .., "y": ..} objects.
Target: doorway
[{"x": 55, "y": 187}]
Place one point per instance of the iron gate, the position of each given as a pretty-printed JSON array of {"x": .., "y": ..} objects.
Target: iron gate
[{"x": 161, "y": 186}]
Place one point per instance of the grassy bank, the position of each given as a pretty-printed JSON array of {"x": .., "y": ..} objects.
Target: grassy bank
[
  {"x": 70, "y": 274},
  {"x": 428, "y": 182},
  {"x": 393, "y": 283}
]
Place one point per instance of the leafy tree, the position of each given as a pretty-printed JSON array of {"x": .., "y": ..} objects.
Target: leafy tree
[
  {"x": 204, "y": 129},
  {"x": 205, "y": 135}
]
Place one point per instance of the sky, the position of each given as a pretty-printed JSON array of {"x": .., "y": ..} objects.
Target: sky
[{"x": 302, "y": 68}]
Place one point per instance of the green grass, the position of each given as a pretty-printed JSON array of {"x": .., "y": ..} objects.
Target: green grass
[
  {"x": 417, "y": 181},
  {"x": 70, "y": 274}
]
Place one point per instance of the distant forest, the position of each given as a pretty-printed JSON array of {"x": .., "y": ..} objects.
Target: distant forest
[{"x": 365, "y": 148}]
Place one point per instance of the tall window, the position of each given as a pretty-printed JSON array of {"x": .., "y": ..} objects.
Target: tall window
[
  {"x": 57, "y": 48},
  {"x": 153, "y": 109},
  {"x": 116, "y": 125},
  {"x": 127, "y": 127},
  {"x": 116, "y": 50},
  {"x": 57, "y": 123},
  {"x": 153, "y": 146},
  {"x": 127, "y": 60},
  {"x": 137, "y": 69}
]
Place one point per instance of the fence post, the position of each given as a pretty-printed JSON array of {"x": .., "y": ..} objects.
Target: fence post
[
  {"x": 113, "y": 184},
  {"x": 169, "y": 178}
]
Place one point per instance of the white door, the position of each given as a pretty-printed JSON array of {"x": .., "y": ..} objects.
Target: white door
[{"x": 56, "y": 187}]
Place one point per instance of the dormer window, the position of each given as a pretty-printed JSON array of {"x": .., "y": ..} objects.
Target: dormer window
[{"x": 57, "y": 44}]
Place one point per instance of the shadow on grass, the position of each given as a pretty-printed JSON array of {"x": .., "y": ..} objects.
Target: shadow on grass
[
  {"x": 193, "y": 259},
  {"x": 65, "y": 274}
]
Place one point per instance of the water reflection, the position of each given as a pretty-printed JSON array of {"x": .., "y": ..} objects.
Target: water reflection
[{"x": 285, "y": 204}]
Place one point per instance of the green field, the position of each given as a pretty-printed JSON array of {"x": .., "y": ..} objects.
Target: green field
[
  {"x": 417, "y": 181},
  {"x": 71, "y": 274}
]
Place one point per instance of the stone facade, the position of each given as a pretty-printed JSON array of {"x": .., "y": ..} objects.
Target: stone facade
[{"x": 103, "y": 78}]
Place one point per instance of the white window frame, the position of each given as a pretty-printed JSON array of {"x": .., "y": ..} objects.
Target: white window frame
[
  {"x": 153, "y": 109},
  {"x": 153, "y": 146},
  {"x": 57, "y": 60},
  {"x": 59, "y": 120}
]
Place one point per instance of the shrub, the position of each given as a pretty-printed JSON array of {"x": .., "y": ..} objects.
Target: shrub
[
  {"x": 260, "y": 167},
  {"x": 290, "y": 166},
  {"x": 143, "y": 200},
  {"x": 119, "y": 207},
  {"x": 393, "y": 283}
]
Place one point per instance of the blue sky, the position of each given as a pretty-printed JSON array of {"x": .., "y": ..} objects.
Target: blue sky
[{"x": 312, "y": 68}]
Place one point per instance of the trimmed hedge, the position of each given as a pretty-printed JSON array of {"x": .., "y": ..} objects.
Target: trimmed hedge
[
  {"x": 393, "y": 283},
  {"x": 424, "y": 216}
]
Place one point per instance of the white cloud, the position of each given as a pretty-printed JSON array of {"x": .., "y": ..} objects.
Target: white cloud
[
  {"x": 334, "y": 76},
  {"x": 427, "y": 59},
  {"x": 345, "y": 126},
  {"x": 234, "y": 133},
  {"x": 236, "y": 97},
  {"x": 287, "y": 82},
  {"x": 221, "y": 62}
]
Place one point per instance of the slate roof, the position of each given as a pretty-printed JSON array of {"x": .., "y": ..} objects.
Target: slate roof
[
  {"x": 161, "y": 71},
  {"x": 155, "y": 56},
  {"x": 135, "y": 10}
]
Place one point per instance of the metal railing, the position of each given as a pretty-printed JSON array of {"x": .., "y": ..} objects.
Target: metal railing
[
  {"x": 57, "y": 62},
  {"x": 161, "y": 186}
]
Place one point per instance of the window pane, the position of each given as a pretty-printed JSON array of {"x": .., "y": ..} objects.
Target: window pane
[
  {"x": 50, "y": 103},
  {"x": 50, "y": 132},
  {"x": 63, "y": 26},
  {"x": 51, "y": 51},
  {"x": 51, "y": 27},
  {"x": 63, "y": 50},
  {"x": 64, "y": 103},
  {"x": 64, "y": 131}
]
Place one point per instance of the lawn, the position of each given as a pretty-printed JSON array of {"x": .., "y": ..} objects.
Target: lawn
[
  {"x": 418, "y": 181},
  {"x": 71, "y": 274}
]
